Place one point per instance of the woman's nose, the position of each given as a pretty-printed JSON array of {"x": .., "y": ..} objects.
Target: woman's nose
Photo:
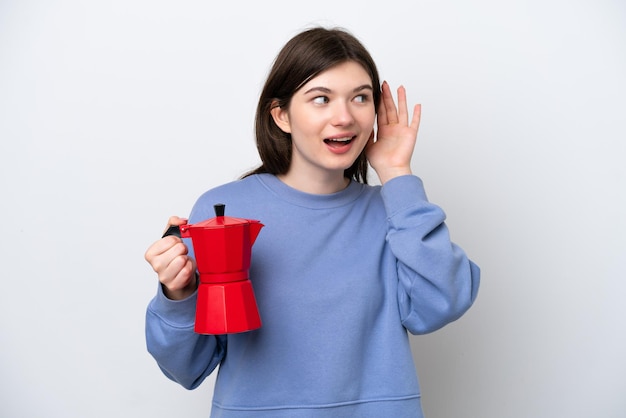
[{"x": 342, "y": 114}]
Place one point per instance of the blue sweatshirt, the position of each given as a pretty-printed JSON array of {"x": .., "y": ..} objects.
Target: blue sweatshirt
[{"x": 339, "y": 279}]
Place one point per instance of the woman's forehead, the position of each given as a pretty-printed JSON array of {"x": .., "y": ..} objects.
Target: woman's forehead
[{"x": 348, "y": 76}]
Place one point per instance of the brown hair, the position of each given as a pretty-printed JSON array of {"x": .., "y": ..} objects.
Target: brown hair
[{"x": 302, "y": 58}]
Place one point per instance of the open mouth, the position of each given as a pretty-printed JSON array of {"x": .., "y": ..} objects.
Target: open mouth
[{"x": 338, "y": 142}]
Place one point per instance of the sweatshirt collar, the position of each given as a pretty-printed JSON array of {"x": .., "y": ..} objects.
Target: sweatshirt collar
[{"x": 309, "y": 200}]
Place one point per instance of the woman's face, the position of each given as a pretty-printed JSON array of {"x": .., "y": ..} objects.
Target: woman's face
[{"x": 330, "y": 120}]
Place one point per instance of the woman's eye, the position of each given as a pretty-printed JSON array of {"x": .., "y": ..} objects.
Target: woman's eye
[
  {"x": 320, "y": 100},
  {"x": 361, "y": 98}
]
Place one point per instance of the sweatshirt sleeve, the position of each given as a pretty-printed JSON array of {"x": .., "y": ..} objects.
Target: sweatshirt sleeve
[
  {"x": 437, "y": 281},
  {"x": 183, "y": 355}
]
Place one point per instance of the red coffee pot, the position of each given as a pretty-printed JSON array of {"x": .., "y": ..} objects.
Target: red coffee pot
[{"x": 223, "y": 247}]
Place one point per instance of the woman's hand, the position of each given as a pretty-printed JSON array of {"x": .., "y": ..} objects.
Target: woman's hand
[
  {"x": 390, "y": 155},
  {"x": 176, "y": 270}
]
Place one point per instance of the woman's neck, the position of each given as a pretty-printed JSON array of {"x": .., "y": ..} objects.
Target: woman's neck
[{"x": 315, "y": 185}]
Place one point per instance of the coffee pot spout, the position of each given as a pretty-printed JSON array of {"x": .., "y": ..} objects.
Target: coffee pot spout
[{"x": 255, "y": 228}]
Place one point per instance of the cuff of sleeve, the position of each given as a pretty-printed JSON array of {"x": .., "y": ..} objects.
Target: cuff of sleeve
[
  {"x": 179, "y": 313},
  {"x": 403, "y": 192}
]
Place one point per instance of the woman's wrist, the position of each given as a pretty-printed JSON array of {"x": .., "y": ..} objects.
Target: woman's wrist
[{"x": 393, "y": 172}]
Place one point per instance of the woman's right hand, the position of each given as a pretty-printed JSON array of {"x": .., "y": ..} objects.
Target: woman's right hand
[{"x": 176, "y": 270}]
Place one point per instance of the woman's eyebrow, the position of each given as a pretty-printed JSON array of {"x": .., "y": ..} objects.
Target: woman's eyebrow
[
  {"x": 319, "y": 89},
  {"x": 363, "y": 87},
  {"x": 328, "y": 91}
]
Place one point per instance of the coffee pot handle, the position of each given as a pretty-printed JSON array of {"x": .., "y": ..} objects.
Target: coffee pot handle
[{"x": 172, "y": 230}]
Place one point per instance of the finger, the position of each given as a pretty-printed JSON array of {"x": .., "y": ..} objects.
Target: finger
[
  {"x": 403, "y": 112},
  {"x": 370, "y": 140},
  {"x": 161, "y": 253},
  {"x": 390, "y": 107},
  {"x": 417, "y": 116},
  {"x": 161, "y": 246},
  {"x": 175, "y": 220},
  {"x": 178, "y": 273},
  {"x": 156, "y": 249},
  {"x": 382, "y": 112},
  {"x": 186, "y": 274}
]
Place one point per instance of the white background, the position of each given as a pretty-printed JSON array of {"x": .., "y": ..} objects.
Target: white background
[{"x": 116, "y": 114}]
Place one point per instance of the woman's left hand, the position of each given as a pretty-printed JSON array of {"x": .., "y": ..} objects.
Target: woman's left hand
[{"x": 390, "y": 155}]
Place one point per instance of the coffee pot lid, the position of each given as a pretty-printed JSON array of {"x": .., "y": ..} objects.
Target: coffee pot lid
[{"x": 220, "y": 221}]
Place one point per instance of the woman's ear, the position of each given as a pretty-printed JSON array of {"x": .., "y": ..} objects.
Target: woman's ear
[{"x": 281, "y": 118}]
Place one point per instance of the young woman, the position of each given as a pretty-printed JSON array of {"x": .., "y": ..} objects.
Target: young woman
[{"x": 341, "y": 271}]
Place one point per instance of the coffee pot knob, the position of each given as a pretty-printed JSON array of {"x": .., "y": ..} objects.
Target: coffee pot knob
[{"x": 220, "y": 209}]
